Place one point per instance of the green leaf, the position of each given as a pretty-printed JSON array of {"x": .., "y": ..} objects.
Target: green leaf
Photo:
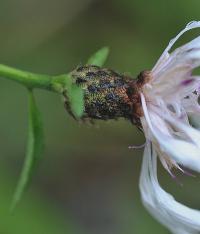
[
  {"x": 99, "y": 58},
  {"x": 74, "y": 95},
  {"x": 77, "y": 101},
  {"x": 35, "y": 145}
]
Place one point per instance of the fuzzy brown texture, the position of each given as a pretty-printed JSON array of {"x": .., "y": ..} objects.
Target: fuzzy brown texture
[{"x": 110, "y": 95}]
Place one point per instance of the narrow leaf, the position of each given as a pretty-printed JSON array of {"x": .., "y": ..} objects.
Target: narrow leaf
[
  {"x": 75, "y": 96},
  {"x": 35, "y": 145},
  {"x": 77, "y": 101},
  {"x": 99, "y": 58}
]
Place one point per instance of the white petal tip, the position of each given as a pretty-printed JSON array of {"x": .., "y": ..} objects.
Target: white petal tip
[{"x": 193, "y": 24}]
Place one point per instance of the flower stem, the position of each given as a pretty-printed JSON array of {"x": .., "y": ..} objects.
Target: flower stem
[{"x": 28, "y": 79}]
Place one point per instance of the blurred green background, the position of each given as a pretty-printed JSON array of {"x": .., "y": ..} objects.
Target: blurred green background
[{"x": 88, "y": 179}]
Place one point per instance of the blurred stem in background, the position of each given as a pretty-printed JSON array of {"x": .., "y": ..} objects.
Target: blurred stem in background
[{"x": 36, "y": 215}]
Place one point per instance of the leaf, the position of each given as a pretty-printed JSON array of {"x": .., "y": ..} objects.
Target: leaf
[
  {"x": 35, "y": 145},
  {"x": 74, "y": 96},
  {"x": 77, "y": 101},
  {"x": 99, "y": 58}
]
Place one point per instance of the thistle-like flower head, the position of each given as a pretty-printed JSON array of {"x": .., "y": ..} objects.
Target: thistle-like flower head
[
  {"x": 159, "y": 102},
  {"x": 169, "y": 97}
]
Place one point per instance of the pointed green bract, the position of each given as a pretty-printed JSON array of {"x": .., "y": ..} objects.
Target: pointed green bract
[
  {"x": 35, "y": 145},
  {"x": 77, "y": 101},
  {"x": 74, "y": 94},
  {"x": 99, "y": 58}
]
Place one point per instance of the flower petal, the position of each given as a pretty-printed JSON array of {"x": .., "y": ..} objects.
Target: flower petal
[
  {"x": 182, "y": 148},
  {"x": 178, "y": 218},
  {"x": 182, "y": 60},
  {"x": 165, "y": 54},
  {"x": 172, "y": 74},
  {"x": 181, "y": 152},
  {"x": 191, "y": 104}
]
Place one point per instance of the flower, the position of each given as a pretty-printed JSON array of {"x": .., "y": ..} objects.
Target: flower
[{"x": 169, "y": 96}]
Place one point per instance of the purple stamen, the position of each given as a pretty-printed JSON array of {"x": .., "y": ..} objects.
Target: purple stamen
[{"x": 187, "y": 82}]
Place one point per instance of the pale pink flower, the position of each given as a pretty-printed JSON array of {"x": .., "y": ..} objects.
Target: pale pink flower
[{"x": 169, "y": 98}]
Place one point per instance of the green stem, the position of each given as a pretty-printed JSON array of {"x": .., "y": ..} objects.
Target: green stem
[{"x": 30, "y": 80}]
